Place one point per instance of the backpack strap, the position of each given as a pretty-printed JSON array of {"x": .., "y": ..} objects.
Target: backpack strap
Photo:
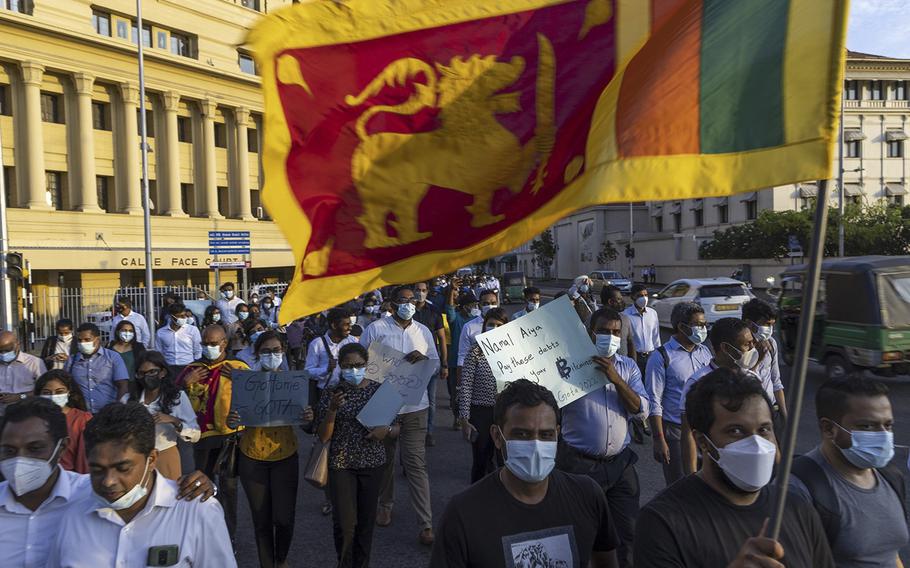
[
  {"x": 664, "y": 355},
  {"x": 328, "y": 352},
  {"x": 821, "y": 493}
]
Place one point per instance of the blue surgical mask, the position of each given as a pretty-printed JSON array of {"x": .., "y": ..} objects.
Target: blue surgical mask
[
  {"x": 216, "y": 317},
  {"x": 255, "y": 335},
  {"x": 868, "y": 449},
  {"x": 271, "y": 361},
  {"x": 530, "y": 460},
  {"x": 697, "y": 334},
  {"x": 354, "y": 376},
  {"x": 182, "y": 321},
  {"x": 127, "y": 336},
  {"x": 243, "y": 315},
  {"x": 583, "y": 288},
  {"x": 8, "y": 356},
  {"x": 607, "y": 344}
]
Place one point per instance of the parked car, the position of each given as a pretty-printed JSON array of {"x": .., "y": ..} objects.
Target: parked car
[
  {"x": 603, "y": 278},
  {"x": 862, "y": 317},
  {"x": 720, "y": 297}
]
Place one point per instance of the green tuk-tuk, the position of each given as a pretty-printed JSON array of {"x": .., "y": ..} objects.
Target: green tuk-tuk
[
  {"x": 513, "y": 286},
  {"x": 862, "y": 319}
]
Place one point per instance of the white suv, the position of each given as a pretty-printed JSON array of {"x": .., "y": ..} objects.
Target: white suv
[{"x": 720, "y": 297}]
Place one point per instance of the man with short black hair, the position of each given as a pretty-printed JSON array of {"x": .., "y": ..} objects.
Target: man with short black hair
[
  {"x": 123, "y": 307},
  {"x": 18, "y": 370},
  {"x": 228, "y": 303},
  {"x": 322, "y": 352},
  {"x": 100, "y": 372},
  {"x": 531, "y": 295},
  {"x": 178, "y": 341},
  {"x": 719, "y": 517},
  {"x": 136, "y": 517},
  {"x": 611, "y": 297},
  {"x": 858, "y": 494},
  {"x": 527, "y": 513},
  {"x": 760, "y": 317},
  {"x": 645, "y": 325}
]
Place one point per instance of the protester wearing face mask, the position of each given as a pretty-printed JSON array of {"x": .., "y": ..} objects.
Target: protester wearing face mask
[
  {"x": 476, "y": 400},
  {"x": 402, "y": 333},
  {"x": 169, "y": 406},
  {"x": 611, "y": 297},
  {"x": 720, "y": 516},
  {"x": 761, "y": 316},
  {"x": 322, "y": 352},
  {"x": 58, "y": 387},
  {"x": 645, "y": 325},
  {"x": 269, "y": 312},
  {"x": 669, "y": 367},
  {"x": 208, "y": 386},
  {"x": 18, "y": 370},
  {"x": 595, "y": 429},
  {"x": 251, "y": 330},
  {"x": 134, "y": 514},
  {"x": 228, "y": 303},
  {"x": 236, "y": 339},
  {"x": 126, "y": 343},
  {"x": 430, "y": 316},
  {"x": 357, "y": 457},
  {"x": 847, "y": 477},
  {"x": 460, "y": 309},
  {"x": 509, "y": 515},
  {"x": 58, "y": 348},
  {"x": 178, "y": 341},
  {"x": 269, "y": 467},
  {"x": 468, "y": 337},
  {"x": 531, "y": 296},
  {"x": 213, "y": 316},
  {"x": 734, "y": 349},
  {"x": 100, "y": 373},
  {"x": 123, "y": 309}
]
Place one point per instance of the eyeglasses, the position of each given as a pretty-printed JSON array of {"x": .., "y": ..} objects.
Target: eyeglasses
[
  {"x": 277, "y": 350},
  {"x": 400, "y": 301}
]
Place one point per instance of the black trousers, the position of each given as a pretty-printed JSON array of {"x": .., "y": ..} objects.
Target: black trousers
[
  {"x": 483, "y": 448},
  {"x": 355, "y": 496},
  {"x": 271, "y": 490},
  {"x": 452, "y": 387},
  {"x": 206, "y": 454},
  {"x": 617, "y": 477}
]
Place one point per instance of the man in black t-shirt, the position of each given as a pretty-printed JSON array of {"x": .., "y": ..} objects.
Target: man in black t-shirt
[
  {"x": 527, "y": 513},
  {"x": 719, "y": 516},
  {"x": 429, "y": 315}
]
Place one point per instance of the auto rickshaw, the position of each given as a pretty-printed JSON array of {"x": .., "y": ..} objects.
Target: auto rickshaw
[
  {"x": 862, "y": 319},
  {"x": 513, "y": 286}
]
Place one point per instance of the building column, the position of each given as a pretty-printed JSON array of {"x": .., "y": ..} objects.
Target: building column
[
  {"x": 129, "y": 149},
  {"x": 35, "y": 179},
  {"x": 84, "y": 84},
  {"x": 243, "y": 210},
  {"x": 173, "y": 207},
  {"x": 210, "y": 186}
]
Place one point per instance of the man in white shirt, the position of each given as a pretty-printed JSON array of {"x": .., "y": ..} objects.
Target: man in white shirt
[
  {"x": 179, "y": 342},
  {"x": 124, "y": 309},
  {"x": 32, "y": 506},
  {"x": 135, "y": 516},
  {"x": 18, "y": 370},
  {"x": 470, "y": 331},
  {"x": 228, "y": 303},
  {"x": 322, "y": 353},
  {"x": 403, "y": 333},
  {"x": 645, "y": 325}
]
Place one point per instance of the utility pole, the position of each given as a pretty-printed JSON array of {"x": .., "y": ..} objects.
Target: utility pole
[
  {"x": 6, "y": 293},
  {"x": 146, "y": 201},
  {"x": 840, "y": 181},
  {"x": 631, "y": 243}
]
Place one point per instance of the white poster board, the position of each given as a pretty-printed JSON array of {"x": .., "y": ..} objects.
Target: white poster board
[
  {"x": 548, "y": 346},
  {"x": 387, "y": 364}
]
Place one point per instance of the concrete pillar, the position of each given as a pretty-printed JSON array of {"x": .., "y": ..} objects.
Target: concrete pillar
[
  {"x": 242, "y": 210},
  {"x": 87, "y": 193},
  {"x": 128, "y": 148},
  {"x": 210, "y": 186},
  {"x": 35, "y": 180},
  {"x": 173, "y": 207}
]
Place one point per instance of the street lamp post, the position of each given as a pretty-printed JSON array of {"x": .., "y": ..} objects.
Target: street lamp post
[
  {"x": 840, "y": 181},
  {"x": 146, "y": 201}
]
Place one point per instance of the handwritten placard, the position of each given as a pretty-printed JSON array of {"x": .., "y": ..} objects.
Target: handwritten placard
[
  {"x": 548, "y": 346},
  {"x": 389, "y": 365},
  {"x": 264, "y": 398}
]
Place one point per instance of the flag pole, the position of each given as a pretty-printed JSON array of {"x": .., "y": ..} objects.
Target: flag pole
[
  {"x": 801, "y": 359},
  {"x": 146, "y": 201}
]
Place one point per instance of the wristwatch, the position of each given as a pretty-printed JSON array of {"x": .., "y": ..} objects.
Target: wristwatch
[{"x": 22, "y": 396}]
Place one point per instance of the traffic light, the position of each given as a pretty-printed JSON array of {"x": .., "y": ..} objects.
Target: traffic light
[
  {"x": 14, "y": 265},
  {"x": 630, "y": 252}
]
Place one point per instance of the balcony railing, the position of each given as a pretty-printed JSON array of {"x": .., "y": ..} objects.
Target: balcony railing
[{"x": 872, "y": 103}]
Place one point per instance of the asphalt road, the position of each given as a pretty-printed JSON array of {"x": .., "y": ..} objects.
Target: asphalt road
[{"x": 449, "y": 463}]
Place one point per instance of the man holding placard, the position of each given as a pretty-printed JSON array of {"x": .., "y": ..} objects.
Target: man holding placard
[
  {"x": 402, "y": 333},
  {"x": 595, "y": 429}
]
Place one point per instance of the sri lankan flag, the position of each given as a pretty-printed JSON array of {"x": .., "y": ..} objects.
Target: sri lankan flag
[{"x": 407, "y": 138}]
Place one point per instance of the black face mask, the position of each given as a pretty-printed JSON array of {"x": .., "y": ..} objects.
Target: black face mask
[{"x": 150, "y": 382}]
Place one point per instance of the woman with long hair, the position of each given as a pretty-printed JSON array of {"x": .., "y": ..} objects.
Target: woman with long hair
[
  {"x": 124, "y": 342},
  {"x": 252, "y": 329},
  {"x": 155, "y": 389},
  {"x": 212, "y": 316},
  {"x": 235, "y": 329},
  {"x": 59, "y": 387}
]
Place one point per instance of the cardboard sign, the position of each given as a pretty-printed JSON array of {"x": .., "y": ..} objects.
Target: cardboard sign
[
  {"x": 264, "y": 398},
  {"x": 382, "y": 408},
  {"x": 388, "y": 365},
  {"x": 548, "y": 346}
]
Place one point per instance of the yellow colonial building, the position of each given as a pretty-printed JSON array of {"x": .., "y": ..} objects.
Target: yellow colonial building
[{"x": 69, "y": 132}]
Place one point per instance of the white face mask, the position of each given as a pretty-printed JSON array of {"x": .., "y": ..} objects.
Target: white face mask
[
  {"x": 271, "y": 361},
  {"x": 243, "y": 315},
  {"x": 132, "y": 496},
  {"x": 607, "y": 344},
  {"x": 486, "y": 308},
  {"x": 353, "y": 320},
  {"x": 86, "y": 347},
  {"x": 182, "y": 321},
  {"x": 59, "y": 399},
  {"x": 747, "y": 359},
  {"x": 65, "y": 338},
  {"x": 216, "y": 317},
  {"x": 406, "y": 311},
  {"x": 533, "y": 306},
  {"x": 371, "y": 309},
  {"x": 211, "y": 352},
  {"x": 27, "y": 474},
  {"x": 127, "y": 336},
  {"x": 697, "y": 334},
  {"x": 748, "y": 463},
  {"x": 228, "y": 294},
  {"x": 641, "y": 302},
  {"x": 530, "y": 460},
  {"x": 763, "y": 332},
  {"x": 475, "y": 313}
]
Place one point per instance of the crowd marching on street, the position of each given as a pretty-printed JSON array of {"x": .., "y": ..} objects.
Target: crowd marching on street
[{"x": 114, "y": 454}]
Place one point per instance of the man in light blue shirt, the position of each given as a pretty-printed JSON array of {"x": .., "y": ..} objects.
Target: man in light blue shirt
[
  {"x": 595, "y": 429},
  {"x": 668, "y": 369},
  {"x": 645, "y": 325},
  {"x": 179, "y": 342},
  {"x": 228, "y": 303},
  {"x": 124, "y": 309},
  {"x": 99, "y": 372}
]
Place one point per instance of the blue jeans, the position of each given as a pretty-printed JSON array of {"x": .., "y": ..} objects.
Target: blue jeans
[{"x": 431, "y": 394}]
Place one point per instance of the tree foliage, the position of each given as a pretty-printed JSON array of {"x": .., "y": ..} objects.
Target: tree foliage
[{"x": 544, "y": 249}]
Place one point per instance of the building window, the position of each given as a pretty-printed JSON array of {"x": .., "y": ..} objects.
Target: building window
[
  {"x": 876, "y": 88},
  {"x": 723, "y": 214},
  {"x": 103, "y": 189},
  {"x": 101, "y": 22},
  {"x": 186, "y": 199},
  {"x": 900, "y": 90},
  {"x": 677, "y": 222},
  {"x": 149, "y": 123},
  {"x": 896, "y": 149},
  {"x": 9, "y": 186},
  {"x": 699, "y": 217},
  {"x": 5, "y": 106},
  {"x": 220, "y": 135},
  {"x": 51, "y": 109},
  {"x": 252, "y": 140},
  {"x": 223, "y": 201},
  {"x": 255, "y": 204},
  {"x": 251, "y": 4},
  {"x": 184, "y": 129},
  {"x": 162, "y": 40},
  {"x": 751, "y": 209},
  {"x": 897, "y": 200},
  {"x": 852, "y": 149},
  {"x": 122, "y": 32},
  {"x": 53, "y": 184},
  {"x": 247, "y": 64},
  {"x": 851, "y": 90},
  {"x": 146, "y": 35},
  {"x": 21, "y": 6},
  {"x": 100, "y": 116},
  {"x": 180, "y": 44}
]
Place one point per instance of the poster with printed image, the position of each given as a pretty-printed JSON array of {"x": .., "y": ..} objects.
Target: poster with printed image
[{"x": 549, "y": 548}]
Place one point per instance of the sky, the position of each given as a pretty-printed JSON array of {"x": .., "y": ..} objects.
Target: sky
[{"x": 880, "y": 27}]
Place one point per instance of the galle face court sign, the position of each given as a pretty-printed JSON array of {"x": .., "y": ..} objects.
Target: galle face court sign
[{"x": 178, "y": 261}]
